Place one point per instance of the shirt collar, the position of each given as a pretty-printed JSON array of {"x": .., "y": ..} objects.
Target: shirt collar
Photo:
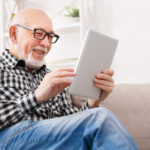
[{"x": 10, "y": 60}]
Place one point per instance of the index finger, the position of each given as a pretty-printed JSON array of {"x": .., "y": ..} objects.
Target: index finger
[
  {"x": 60, "y": 74},
  {"x": 108, "y": 72},
  {"x": 66, "y": 69}
]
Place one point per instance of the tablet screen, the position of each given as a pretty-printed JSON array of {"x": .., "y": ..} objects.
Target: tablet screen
[{"x": 97, "y": 53}]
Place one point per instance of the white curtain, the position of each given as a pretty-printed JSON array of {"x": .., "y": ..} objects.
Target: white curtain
[{"x": 129, "y": 22}]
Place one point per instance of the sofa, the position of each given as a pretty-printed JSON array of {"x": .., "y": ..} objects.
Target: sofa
[{"x": 131, "y": 104}]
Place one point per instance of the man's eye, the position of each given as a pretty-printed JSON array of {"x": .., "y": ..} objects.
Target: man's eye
[
  {"x": 51, "y": 35},
  {"x": 38, "y": 33}
]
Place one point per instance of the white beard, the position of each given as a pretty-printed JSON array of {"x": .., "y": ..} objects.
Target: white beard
[
  {"x": 30, "y": 61},
  {"x": 33, "y": 63}
]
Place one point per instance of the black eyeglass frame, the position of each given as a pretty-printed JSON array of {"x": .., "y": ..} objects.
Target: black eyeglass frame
[{"x": 46, "y": 33}]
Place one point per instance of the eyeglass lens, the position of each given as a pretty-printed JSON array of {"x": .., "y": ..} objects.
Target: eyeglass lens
[{"x": 40, "y": 34}]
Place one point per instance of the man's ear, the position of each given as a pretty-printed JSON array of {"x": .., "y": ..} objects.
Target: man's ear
[{"x": 13, "y": 34}]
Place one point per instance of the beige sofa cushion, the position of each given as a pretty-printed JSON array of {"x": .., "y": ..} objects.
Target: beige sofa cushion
[{"x": 131, "y": 104}]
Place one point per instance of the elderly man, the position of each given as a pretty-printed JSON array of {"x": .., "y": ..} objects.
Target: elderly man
[{"x": 35, "y": 112}]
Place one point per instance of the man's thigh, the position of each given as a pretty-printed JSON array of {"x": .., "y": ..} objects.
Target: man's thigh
[{"x": 54, "y": 133}]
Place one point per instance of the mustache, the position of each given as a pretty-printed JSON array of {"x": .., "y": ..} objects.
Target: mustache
[{"x": 43, "y": 49}]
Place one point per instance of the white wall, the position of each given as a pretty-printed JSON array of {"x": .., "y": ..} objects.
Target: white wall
[
  {"x": 1, "y": 29},
  {"x": 129, "y": 22}
]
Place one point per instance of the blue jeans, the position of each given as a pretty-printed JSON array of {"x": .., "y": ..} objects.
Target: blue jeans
[{"x": 93, "y": 129}]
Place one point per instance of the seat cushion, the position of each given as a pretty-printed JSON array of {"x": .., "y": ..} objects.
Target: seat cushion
[{"x": 131, "y": 104}]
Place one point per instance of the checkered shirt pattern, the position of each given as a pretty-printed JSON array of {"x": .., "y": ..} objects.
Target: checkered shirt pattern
[{"x": 17, "y": 97}]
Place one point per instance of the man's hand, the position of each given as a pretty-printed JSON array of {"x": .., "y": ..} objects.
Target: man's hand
[
  {"x": 105, "y": 82},
  {"x": 53, "y": 83}
]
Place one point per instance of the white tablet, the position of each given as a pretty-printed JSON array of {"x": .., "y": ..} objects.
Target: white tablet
[{"x": 96, "y": 54}]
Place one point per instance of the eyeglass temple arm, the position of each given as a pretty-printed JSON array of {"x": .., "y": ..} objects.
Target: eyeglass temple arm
[{"x": 25, "y": 27}]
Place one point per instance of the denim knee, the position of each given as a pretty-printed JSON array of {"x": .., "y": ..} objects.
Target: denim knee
[{"x": 101, "y": 113}]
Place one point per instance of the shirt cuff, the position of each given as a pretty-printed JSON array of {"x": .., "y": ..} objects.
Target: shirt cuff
[{"x": 27, "y": 103}]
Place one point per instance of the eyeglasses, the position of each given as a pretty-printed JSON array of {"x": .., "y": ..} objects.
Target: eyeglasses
[{"x": 40, "y": 34}]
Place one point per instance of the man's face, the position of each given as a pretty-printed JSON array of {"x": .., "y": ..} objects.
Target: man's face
[{"x": 31, "y": 49}]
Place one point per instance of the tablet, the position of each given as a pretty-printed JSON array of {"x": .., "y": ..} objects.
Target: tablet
[{"x": 96, "y": 54}]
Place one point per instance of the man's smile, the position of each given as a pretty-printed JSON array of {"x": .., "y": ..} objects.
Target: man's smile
[{"x": 40, "y": 52}]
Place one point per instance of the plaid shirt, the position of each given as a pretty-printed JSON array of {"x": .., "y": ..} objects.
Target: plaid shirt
[{"x": 17, "y": 97}]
